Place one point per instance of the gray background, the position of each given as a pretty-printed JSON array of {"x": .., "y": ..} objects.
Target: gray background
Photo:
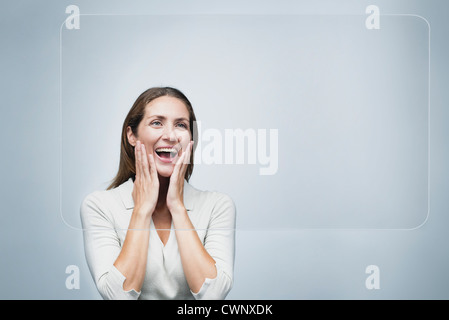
[{"x": 307, "y": 232}]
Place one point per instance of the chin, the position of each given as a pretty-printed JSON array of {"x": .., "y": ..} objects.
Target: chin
[{"x": 165, "y": 173}]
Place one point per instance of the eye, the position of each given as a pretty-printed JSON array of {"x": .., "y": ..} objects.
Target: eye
[
  {"x": 156, "y": 123},
  {"x": 182, "y": 125}
]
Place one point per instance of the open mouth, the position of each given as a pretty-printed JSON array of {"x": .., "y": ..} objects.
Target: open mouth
[{"x": 167, "y": 154}]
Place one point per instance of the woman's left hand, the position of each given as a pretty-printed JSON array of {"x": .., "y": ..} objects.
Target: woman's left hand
[{"x": 175, "y": 194}]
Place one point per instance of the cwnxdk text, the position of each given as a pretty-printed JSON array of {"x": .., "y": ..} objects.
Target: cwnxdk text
[{"x": 227, "y": 309}]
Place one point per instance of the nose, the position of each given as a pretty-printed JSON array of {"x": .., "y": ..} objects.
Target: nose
[{"x": 169, "y": 134}]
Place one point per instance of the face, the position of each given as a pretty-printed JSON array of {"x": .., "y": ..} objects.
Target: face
[{"x": 165, "y": 132}]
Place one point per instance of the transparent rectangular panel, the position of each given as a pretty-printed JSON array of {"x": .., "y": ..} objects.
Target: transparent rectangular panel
[{"x": 306, "y": 121}]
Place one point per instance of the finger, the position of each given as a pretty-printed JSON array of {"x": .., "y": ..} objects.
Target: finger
[
  {"x": 188, "y": 153},
  {"x": 140, "y": 160},
  {"x": 185, "y": 160},
  {"x": 178, "y": 166},
  {"x": 153, "y": 170},
  {"x": 145, "y": 165},
  {"x": 136, "y": 156}
]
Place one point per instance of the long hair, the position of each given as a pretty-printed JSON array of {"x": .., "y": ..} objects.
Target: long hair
[{"x": 127, "y": 166}]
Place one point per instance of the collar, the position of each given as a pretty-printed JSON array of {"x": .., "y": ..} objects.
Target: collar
[{"x": 125, "y": 191}]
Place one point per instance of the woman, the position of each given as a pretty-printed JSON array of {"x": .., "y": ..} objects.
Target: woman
[{"x": 151, "y": 235}]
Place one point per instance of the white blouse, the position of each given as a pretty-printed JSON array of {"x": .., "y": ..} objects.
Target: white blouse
[{"x": 105, "y": 217}]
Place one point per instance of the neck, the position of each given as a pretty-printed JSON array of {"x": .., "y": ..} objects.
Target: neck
[{"x": 164, "y": 183}]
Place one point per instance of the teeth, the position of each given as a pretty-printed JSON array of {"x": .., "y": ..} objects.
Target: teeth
[{"x": 166, "y": 150}]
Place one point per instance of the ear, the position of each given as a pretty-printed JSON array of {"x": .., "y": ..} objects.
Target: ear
[{"x": 130, "y": 135}]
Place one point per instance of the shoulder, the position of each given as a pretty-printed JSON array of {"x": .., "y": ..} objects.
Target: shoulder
[
  {"x": 107, "y": 201},
  {"x": 206, "y": 195},
  {"x": 100, "y": 198},
  {"x": 216, "y": 207}
]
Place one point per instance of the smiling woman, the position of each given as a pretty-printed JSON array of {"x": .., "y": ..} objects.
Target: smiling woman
[
  {"x": 191, "y": 254},
  {"x": 162, "y": 101},
  {"x": 164, "y": 130}
]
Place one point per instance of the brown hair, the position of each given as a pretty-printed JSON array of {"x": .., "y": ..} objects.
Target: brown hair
[{"x": 127, "y": 166}]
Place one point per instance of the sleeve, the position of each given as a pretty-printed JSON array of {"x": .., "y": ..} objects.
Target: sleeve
[
  {"x": 102, "y": 247},
  {"x": 220, "y": 244}
]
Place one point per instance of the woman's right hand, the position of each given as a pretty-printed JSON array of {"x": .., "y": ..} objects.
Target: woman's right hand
[{"x": 146, "y": 185}]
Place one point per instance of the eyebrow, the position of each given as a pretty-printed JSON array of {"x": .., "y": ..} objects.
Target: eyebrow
[{"x": 164, "y": 118}]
